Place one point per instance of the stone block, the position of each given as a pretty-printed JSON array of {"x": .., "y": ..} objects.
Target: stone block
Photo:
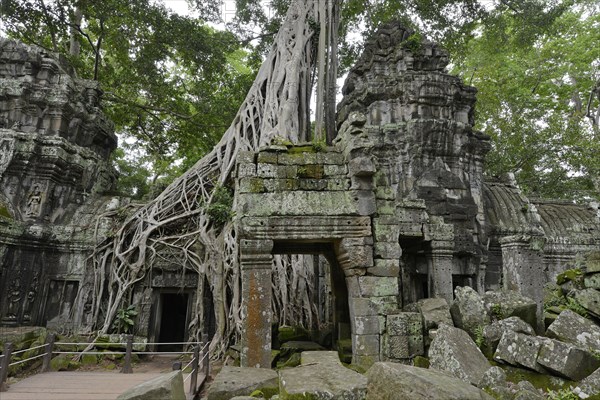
[
  {"x": 520, "y": 350},
  {"x": 386, "y": 207},
  {"x": 508, "y": 303},
  {"x": 245, "y": 157},
  {"x": 404, "y": 336},
  {"x": 287, "y": 171},
  {"x": 363, "y": 306},
  {"x": 365, "y": 344},
  {"x": 369, "y": 325},
  {"x": 240, "y": 381},
  {"x": 388, "y": 380},
  {"x": 377, "y": 286},
  {"x": 264, "y": 170},
  {"x": 435, "y": 311},
  {"x": 312, "y": 184},
  {"x": 338, "y": 184},
  {"x": 361, "y": 166},
  {"x": 321, "y": 381},
  {"x": 330, "y": 158},
  {"x": 389, "y": 250},
  {"x": 385, "y": 193},
  {"x": 246, "y": 170},
  {"x": 251, "y": 185},
  {"x": 589, "y": 387},
  {"x": 454, "y": 352},
  {"x": 387, "y": 267},
  {"x": 567, "y": 360},
  {"x": 592, "y": 281},
  {"x": 267, "y": 157},
  {"x": 493, "y": 333},
  {"x": 468, "y": 311},
  {"x": 332, "y": 170},
  {"x": 385, "y": 232},
  {"x": 167, "y": 386},
  {"x": 590, "y": 300},
  {"x": 572, "y": 328}
]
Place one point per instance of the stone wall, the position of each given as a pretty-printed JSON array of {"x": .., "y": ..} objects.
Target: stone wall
[{"x": 54, "y": 172}]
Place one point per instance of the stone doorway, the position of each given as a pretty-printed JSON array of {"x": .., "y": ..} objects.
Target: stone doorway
[
  {"x": 171, "y": 320},
  {"x": 331, "y": 292}
]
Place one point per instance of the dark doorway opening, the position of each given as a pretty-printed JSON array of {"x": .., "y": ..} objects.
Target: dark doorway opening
[{"x": 173, "y": 320}]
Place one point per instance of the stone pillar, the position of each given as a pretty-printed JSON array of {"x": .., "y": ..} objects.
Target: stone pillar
[
  {"x": 441, "y": 270},
  {"x": 523, "y": 269},
  {"x": 256, "y": 261}
]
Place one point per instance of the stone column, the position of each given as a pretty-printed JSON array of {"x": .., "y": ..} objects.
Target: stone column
[
  {"x": 256, "y": 261},
  {"x": 441, "y": 270}
]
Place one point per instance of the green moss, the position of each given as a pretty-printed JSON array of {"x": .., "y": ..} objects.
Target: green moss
[
  {"x": 421, "y": 362},
  {"x": 573, "y": 275},
  {"x": 540, "y": 381},
  {"x": 4, "y": 211},
  {"x": 292, "y": 333}
]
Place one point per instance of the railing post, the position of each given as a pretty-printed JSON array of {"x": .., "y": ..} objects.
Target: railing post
[
  {"x": 195, "y": 365},
  {"x": 48, "y": 355},
  {"x": 205, "y": 356},
  {"x": 127, "y": 363},
  {"x": 8, "y": 349}
]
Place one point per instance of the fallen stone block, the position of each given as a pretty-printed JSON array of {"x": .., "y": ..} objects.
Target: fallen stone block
[
  {"x": 454, "y": 352},
  {"x": 590, "y": 386},
  {"x": 520, "y": 350},
  {"x": 392, "y": 381},
  {"x": 590, "y": 300},
  {"x": 503, "y": 304},
  {"x": 493, "y": 333},
  {"x": 321, "y": 380},
  {"x": 404, "y": 336},
  {"x": 435, "y": 311},
  {"x": 567, "y": 360},
  {"x": 572, "y": 328},
  {"x": 242, "y": 381},
  {"x": 168, "y": 387},
  {"x": 468, "y": 311}
]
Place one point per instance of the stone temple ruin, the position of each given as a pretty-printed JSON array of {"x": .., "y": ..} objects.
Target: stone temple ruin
[{"x": 399, "y": 206}]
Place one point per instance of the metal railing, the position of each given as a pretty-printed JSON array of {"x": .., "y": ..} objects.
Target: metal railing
[{"x": 200, "y": 361}]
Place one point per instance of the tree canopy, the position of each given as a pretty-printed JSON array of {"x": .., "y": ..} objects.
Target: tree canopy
[{"x": 173, "y": 84}]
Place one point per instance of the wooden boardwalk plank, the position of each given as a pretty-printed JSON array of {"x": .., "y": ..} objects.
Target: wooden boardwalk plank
[{"x": 76, "y": 385}]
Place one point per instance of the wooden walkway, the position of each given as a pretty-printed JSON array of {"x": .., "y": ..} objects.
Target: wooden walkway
[{"x": 77, "y": 385}]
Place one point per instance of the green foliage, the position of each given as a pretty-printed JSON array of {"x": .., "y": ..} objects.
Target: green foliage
[
  {"x": 562, "y": 394},
  {"x": 4, "y": 211},
  {"x": 574, "y": 306},
  {"x": 319, "y": 145},
  {"x": 125, "y": 320},
  {"x": 220, "y": 208},
  {"x": 479, "y": 338},
  {"x": 497, "y": 311},
  {"x": 413, "y": 42}
]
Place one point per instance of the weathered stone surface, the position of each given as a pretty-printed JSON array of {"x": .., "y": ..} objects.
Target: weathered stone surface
[
  {"x": 590, "y": 386},
  {"x": 572, "y": 328},
  {"x": 165, "y": 387},
  {"x": 404, "y": 337},
  {"x": 493, "y": 333},
  {"x": 453, "y": 351},
  {"x": 520, "y": 350},
  {"x": 240, "y": 381},
  {"x": 391, "y": 381},
  {"x": 526, "y": 391},
  {"x": 435, "y": 311},
  {"x": 590, "y": 300},
  {"x": 468, "y": 311},
  {"x": 509, "y": 303},
  {"x": 567, "y": 360},
  {"x": 321, "y": 376}
]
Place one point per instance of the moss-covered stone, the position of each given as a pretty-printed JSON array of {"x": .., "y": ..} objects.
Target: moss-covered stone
[
  {"x": 4, "y": 212},
  {"x": 292, "y": 333},
  {"x": 421, "y": 362}
]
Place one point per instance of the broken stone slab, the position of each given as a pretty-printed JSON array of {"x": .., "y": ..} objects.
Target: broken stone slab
[
  {"x": 392, "y": 381},
  {"x": 567, "y": 360},
  {"x": 494, "y": 382},
  {"x": 589, "y": 387},
  {"x": 404, "y": 337},
  {"x": 589, "y": 299},
  {"x": 520, "y": 350},
  {"x": 503, "y": 304},
  {"x": 435, "y": 311},
  {"x": 320, "y": 357},
  {"x": 242, "y": 381},
  {"x": 298, "y": 346},
  {"x": 468, "y": 310},
  {"x": 526, "y": 391},
  {"x": 493, "y": 333},
  {"x": 320, "y": 378},
  {"x": 167, "y": 386},
  {"x": 571, "y": 327},
  {"x": 454, "y": 352}
]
